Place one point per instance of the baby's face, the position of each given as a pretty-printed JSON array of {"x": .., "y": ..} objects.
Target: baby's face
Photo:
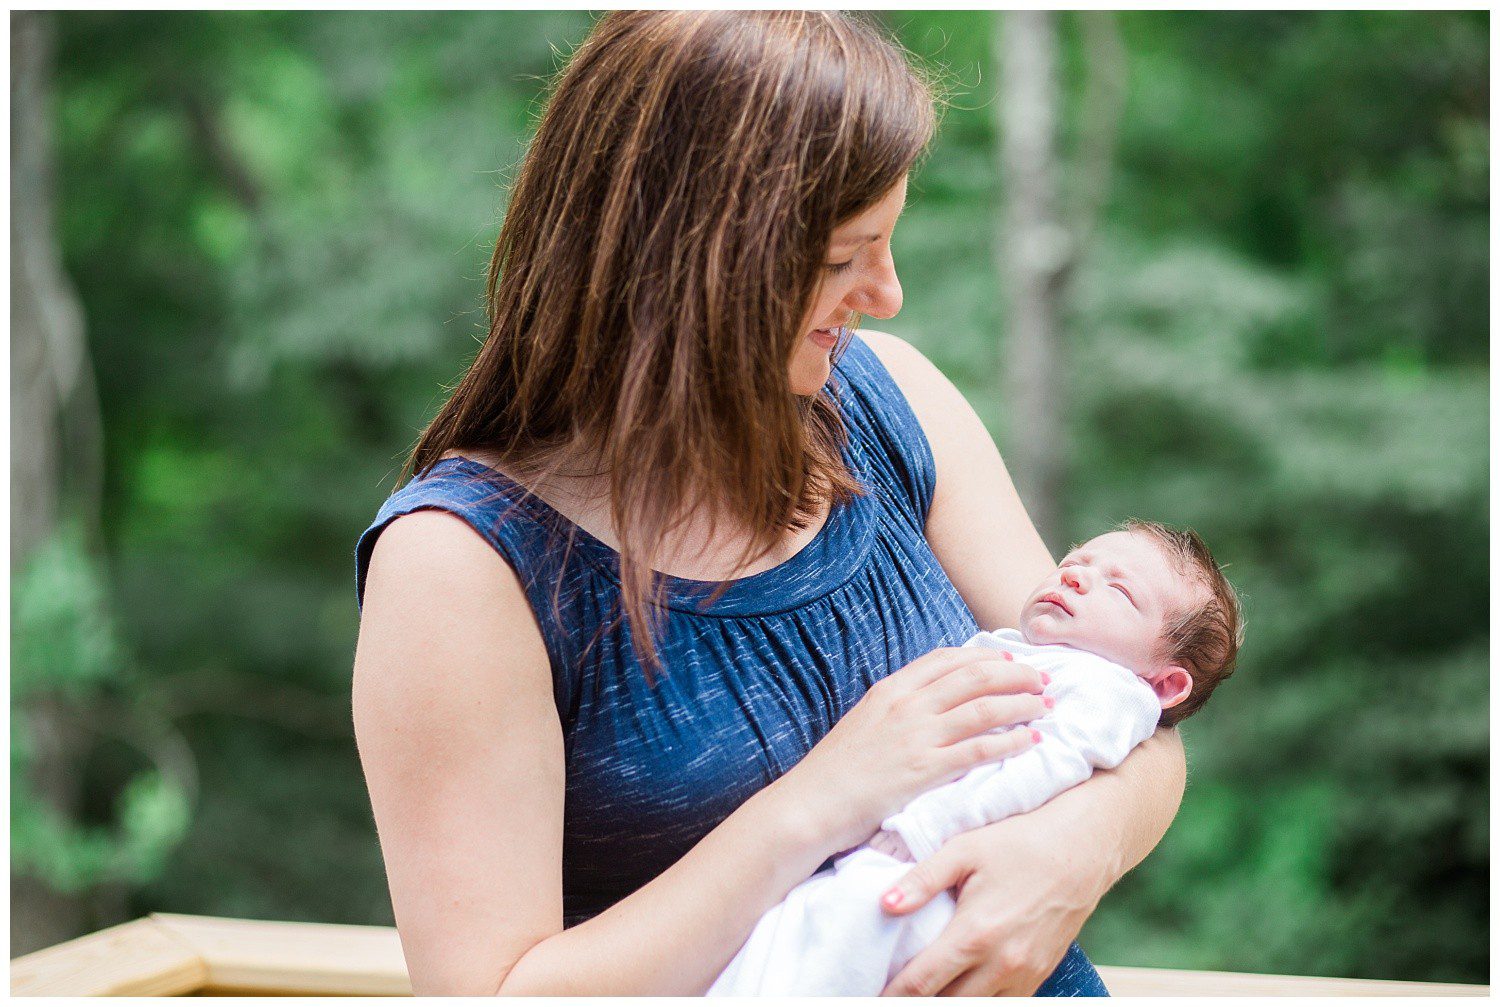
[{"x": 1112, "y": 596}]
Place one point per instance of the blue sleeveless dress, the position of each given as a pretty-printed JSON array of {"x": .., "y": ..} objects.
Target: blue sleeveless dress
[{"x": 749, "y": 684}]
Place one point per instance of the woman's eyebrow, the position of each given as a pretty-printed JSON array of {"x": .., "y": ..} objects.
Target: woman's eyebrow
[{"x": 866, "y": 237}]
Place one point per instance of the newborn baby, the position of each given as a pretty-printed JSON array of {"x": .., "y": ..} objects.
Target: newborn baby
[{"x": 1134, "y": 628}]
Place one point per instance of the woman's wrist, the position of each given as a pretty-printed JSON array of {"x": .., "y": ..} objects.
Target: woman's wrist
[{"x": 803, "y": 822}]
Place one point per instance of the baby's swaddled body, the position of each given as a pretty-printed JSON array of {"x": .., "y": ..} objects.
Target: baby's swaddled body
[{"x": 831, "y": 937}]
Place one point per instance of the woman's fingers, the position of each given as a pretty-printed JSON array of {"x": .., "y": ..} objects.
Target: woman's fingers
[
  {"x": 960, "y": 961},
  {"x": 989, "y": 712},
  {"x": 918, "y": 886},
  {"x": 975, "y": 983},
  {"x": 959, "y": 758},
  {"x": 942, "y": 961},
  {"x": 936, "y": 664},
  {"x": 997, "y": 676},
  {"x": 988, "y": 980},
  {"x": 927, "y": 975}
]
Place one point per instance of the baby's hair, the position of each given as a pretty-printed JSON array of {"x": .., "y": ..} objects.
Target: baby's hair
[{"x": 1204, "y": 639}]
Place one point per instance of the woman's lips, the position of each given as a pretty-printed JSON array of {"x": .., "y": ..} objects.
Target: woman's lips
[{"x": 826, "y": 338}]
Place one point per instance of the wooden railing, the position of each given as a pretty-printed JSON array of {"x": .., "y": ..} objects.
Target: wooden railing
[{"x": 169, "y": 955}]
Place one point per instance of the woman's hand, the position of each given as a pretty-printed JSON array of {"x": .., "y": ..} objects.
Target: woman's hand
[
  {"x": 1022, "y": 898},
  {"x": 1026, "y": 884},
  {"x": 921, "y": 726}
]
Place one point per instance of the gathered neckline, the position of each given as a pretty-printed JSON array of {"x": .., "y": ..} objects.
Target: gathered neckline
[{"x": 824, "y": 563}]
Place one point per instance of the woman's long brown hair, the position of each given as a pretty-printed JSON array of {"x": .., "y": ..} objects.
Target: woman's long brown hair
[{"x": 664, "y": 240}]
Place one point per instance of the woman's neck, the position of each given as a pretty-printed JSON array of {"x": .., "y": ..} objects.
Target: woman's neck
[{"x": 701, "y": 547}]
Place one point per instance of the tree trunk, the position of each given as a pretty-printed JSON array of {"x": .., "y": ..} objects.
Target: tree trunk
[
  {"x": 51, "y": 392},
  {"x": 1035, "y": 250}
]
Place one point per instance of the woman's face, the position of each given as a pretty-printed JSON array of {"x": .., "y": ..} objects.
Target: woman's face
[{"x": 859, "y": 277}]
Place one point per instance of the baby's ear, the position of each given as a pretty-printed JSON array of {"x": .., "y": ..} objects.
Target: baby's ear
[{"x": 1171, "y": 684}]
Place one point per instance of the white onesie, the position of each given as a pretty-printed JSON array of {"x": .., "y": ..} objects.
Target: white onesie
[{"x": 831, "y": 937}]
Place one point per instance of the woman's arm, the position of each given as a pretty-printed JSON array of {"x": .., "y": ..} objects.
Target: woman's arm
[
  {"x": 977, "y": 526},
  {"x": 463, "y": 756},
  {"x": 1030, "y": 882},
  {"x": 979, "y": 531}
]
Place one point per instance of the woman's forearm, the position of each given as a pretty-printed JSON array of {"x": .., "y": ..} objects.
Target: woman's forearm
[
  {"x": 1030, "y": 881},
  {"x": 1116, "y": 817},
  {"x": 676, "y": 934},
  {"x": 1152, "y": 781}
]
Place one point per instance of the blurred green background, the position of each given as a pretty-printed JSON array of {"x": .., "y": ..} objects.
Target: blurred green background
[{"x": 276, "y": 227}]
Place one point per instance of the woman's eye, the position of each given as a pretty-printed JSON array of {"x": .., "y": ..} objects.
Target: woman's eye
[{"x": 838, "y": 267}]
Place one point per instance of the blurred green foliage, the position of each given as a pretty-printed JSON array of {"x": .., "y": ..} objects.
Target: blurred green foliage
[
  {"x": 278, "y": 224},
  {"x": 64, "y": 644}
]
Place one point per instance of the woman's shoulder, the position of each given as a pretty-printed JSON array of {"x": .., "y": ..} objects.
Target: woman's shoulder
[
  {"x": 926, "y": 389},
  {"x": 454, "y": 493},
  {"x": 894, "y": 405},
  {"x": 432, "y": 553},
  {"x": 951, "y": 429}
]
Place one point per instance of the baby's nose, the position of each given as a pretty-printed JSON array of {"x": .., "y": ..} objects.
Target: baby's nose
[{"x": 1071, "y": 578}]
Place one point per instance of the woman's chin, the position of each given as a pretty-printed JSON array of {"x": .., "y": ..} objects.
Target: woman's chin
[
  {"x": 809, "y": 373},
  {"x": 810, "y": 368}
]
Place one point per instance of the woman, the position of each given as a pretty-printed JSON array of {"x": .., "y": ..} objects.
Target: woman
[{"x": 589, "y": 778}]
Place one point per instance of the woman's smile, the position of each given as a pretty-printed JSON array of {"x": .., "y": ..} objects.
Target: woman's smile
[{"x": 825, "y": 338}]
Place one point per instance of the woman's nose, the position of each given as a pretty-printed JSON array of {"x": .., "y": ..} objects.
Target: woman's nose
[{"x": 881, "y": 296}]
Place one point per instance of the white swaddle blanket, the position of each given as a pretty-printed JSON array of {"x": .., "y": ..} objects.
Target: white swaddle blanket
[{"x": 830, "y": 936}]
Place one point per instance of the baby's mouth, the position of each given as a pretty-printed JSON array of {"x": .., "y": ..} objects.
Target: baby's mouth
[{"x": 1053, "y": 598}]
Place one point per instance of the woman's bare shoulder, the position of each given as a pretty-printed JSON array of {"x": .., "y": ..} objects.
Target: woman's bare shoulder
[
  {"x": 431, "y": 568},
  {"x": 433, "y": 544},
  {"x": 440, "y": 605},
  {"x": 892, "y": 350}
]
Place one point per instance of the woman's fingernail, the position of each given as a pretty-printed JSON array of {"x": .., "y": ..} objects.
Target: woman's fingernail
[
  {"x": 1007, "y": 655},
  {"x": 893, "y": 897},
  {"x": 1036, "y": 736},
  {"x": 1048, "y": 702},
  {"x": 1046, "y": 678}
]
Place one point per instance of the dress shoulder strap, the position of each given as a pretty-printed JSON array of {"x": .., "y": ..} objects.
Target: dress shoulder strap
[
  {"x": 482, "y": 503},
  {"x": 517, "y": 527},
  {"x": 896, "y": 450}
]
